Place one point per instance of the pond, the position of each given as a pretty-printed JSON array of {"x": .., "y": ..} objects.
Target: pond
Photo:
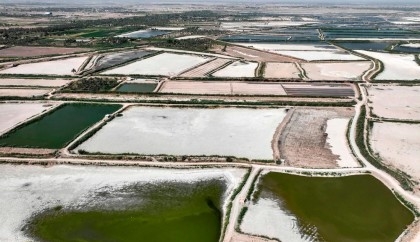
[{"x": 351, "y": 208}]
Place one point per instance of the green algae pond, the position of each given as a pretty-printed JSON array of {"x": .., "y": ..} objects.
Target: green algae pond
[
  {"x": 163, "y": 212},
  {"x": 137, "y": 87},
  {"x": 55, "y": 129},
  {"x": 350, "y": 208}
]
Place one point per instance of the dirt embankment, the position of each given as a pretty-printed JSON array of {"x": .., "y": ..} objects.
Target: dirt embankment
[{"x": 303, "y": 142}]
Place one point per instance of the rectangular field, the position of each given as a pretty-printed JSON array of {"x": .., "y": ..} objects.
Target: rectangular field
[
  {"x": 310, "y": 55},
  {"x": 23, "y": 92},
  {"x": 281, "y": 71},
  {"x": 166, "y": 64},
  {"x": 32, "y": 51},
  {"x": 189, "y": 131},
  {"x": 396, "y": 66},
  {"x": 316, "y": 138},
  {"x": 307, "y": 51},
  {"x": 333, "y": 90},
  {"x": 12, "y": 114},
  {"x": 55, "y": 129},
  {"x": 237, "y": 70},
  {"x": 7, "y": 82},
  {"x": 277, "y": 47},
  {"x": 398, "y": 145},
  {"x": 203, "y": 70},
  {"x": 55, "y": 67},
  {"x": 113, "y": 59},
  {"x": 339, "y": 71},
  {"x": 396, "y": 102},
  {"x": 223, "y": 88}
]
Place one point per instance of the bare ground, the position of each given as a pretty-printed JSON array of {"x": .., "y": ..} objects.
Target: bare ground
[
  {"x": 25, "y": 151},
  {"x": 252, "y": 54},
  {"x": 140, "y": 98},
  {"x": 303, "y": 142},
  {"x": 32, "y": 51}
]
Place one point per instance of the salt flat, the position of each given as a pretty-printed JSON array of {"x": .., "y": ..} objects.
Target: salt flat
[
  {"x": 186, "y": 131},
  {"x": 238, "y": 69},
  {"x": 55, "y": 67},
  {"x": 12, "y": 114},
  {"x": 393, "y": 101},
  {"x": 166, "y": 64},
  {"x": 27, "y": 190},
  {"x": 338, "y": 71},
  {"x": 396, "y": 66},
  {"x": 398, "y": 144},
  {"x": 34, "y": 82}
]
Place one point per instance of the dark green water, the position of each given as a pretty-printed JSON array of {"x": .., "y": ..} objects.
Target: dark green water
[
  {"x": 137, "y": 87},
  {"x": 353, "y": 208},
  {"x": 54, "y": 130},
  {"x": 167, "y": 213}
]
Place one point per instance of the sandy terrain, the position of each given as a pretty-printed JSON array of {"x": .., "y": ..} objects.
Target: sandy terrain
[
  {"x": 398, "y": 144},
  {"x": 166, "y": 64},
  {"x": 56, "y": 67},
  {"x": 301, "y": 146},
  {"x": 281, "y": 70},
  {"x": 253, "y": 54},
  {"x": 336, "y": 139},
  {"x": 343, "y": 71},
  {"x": 276, "y": 47},
  {"x": 398, "y": 102},
  {"x": 22, "y": 92},
  {"x": 26, "y": 151},
  {"x": 31, "y": 189},
  {"x": 155, "y": 131},
  {"x": 396, "y": 66},
  {"x": 34, "y": 82},
  {"x": 12, "y": 114},
  {"x": 240, "y": 26},
  {"x": 32, "y": 51},
  {"x": 203, "y": 70},
  {"x": 237, "y": 69},
  {"x": 226, "y": 88},
  {"x": 239, "y": 99}
]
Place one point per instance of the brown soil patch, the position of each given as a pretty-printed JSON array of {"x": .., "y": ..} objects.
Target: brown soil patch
[
  {"x": 32, "y": 51},
  {"x": 203, "y": 70},
  {"x": 303, "y": 140},
  {"x": 223, "y": 88},
  {"x": 25, "y": 151},
  {"x": 253, "y": 55}
]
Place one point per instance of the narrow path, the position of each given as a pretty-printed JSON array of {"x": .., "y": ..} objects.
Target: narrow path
[
  {"x": 387, "y": 179},
  {"x": 237, "y": 205}
]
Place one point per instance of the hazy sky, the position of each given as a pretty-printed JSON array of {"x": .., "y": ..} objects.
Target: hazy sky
[{"x": 396, "y": 2}]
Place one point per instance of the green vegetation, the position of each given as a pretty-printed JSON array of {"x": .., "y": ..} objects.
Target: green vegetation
[
  {"x": 232, "y": 197},
  {"x": 417, "y": 59},
  {"x": 342, "y": 209},
  {"x": 261, "y": 70},
  {"x": 91, "y": 84},
  {"x": 162, "y": 212},
  {"x": 137, "y": 87},
  {"x": 55, "y": 129},
  {"x": 200, "y": 44}
]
